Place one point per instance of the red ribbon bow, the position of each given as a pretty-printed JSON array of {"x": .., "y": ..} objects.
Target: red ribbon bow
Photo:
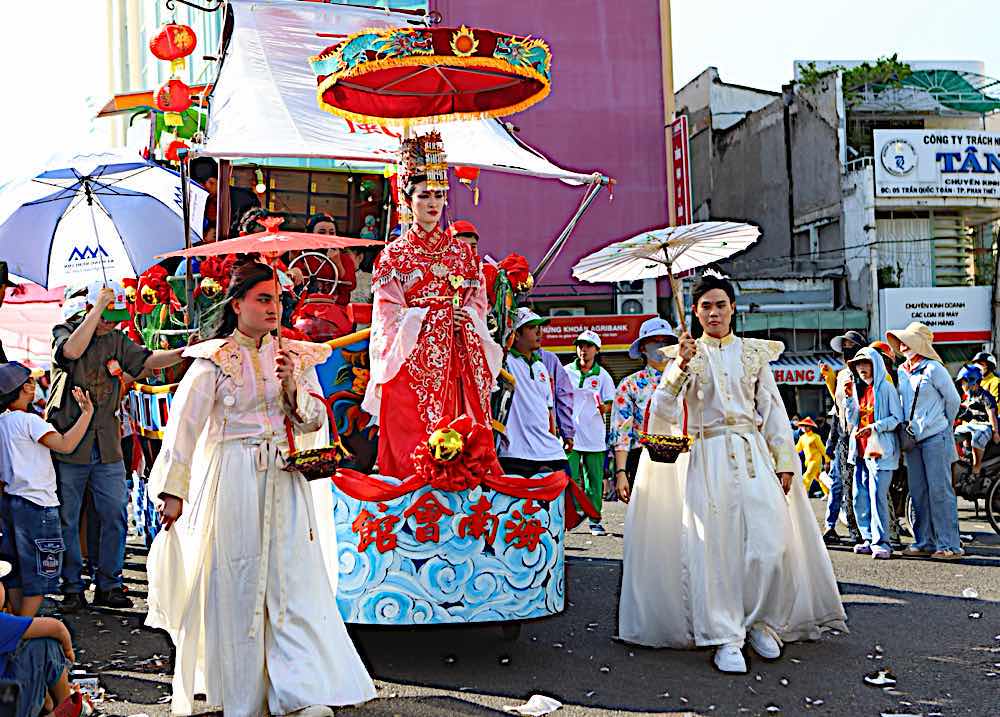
[{"x": 476, "y": 461}]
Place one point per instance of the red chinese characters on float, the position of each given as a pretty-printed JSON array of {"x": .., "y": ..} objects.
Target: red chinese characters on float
[
  {"x": 371, "y": 529},
  {"x": 524, "y": 531},
  {"x": 481, "y": 523},
  {"x": 427, "y": 511}
]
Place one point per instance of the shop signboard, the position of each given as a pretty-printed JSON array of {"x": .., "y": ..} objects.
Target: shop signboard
[
  {"x": 959, "y": 314},
  {"x": 617, "y": 331},
  {"x": 803, "y": 370},
  {"x": 937, "y": 163}
]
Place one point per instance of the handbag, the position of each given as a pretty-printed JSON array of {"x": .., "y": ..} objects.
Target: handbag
[{"x": 904, "y": 434}]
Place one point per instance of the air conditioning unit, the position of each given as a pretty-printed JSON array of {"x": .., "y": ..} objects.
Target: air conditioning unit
[
  {"x": 568, "y": 311},
  {"x": 636, "y": 297}
]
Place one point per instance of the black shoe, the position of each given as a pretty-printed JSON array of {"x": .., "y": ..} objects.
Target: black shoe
[
  {"x": 830, "y": 537},
  {"x": 112, "y": 598},
  {"x": 73, "y": 602}
]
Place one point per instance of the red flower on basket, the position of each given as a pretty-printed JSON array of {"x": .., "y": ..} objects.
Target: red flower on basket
[
  {"x": 518, "y": 273},
  {"x": 215, "y": 273},
  {"x": 457, "y": 456}
]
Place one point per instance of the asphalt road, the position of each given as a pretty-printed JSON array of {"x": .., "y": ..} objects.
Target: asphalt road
[{"x": 907, "y": 615}]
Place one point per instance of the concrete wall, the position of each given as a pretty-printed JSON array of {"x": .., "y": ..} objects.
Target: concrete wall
[
  {"x": 750, "y": 183},
  {"x": 858, "y": 190}
]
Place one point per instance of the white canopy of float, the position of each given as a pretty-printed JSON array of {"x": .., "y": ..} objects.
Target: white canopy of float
[{"x": 264, "y": 100}]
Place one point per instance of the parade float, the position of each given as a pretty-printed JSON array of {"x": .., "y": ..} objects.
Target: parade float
[{"x": 457, "y": 541}]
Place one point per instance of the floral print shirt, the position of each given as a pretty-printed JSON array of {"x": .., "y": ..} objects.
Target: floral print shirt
[{"x": 629, "y": 407}]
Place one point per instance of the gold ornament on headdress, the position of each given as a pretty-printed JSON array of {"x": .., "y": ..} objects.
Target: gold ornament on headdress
[{"x": 422, "y": 155}]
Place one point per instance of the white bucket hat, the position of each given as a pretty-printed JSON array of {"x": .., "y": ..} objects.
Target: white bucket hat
[{"x": 651, "y": 327}]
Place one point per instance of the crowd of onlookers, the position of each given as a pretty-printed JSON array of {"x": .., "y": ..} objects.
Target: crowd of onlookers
[{"x": 898, "y": 421}]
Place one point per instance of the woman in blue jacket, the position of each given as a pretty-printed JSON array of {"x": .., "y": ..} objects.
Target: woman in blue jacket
[
  {"x": 873, "y": 412},
  {"x": 931, "y": 404}
]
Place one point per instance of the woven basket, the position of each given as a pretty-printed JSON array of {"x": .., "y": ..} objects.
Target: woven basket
[
  {"x": 316, "y": 463},
  {"x": 665, "y": 449}
]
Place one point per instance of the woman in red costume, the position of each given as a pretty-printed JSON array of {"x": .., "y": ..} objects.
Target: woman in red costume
[{"x": 432, "y": 357}]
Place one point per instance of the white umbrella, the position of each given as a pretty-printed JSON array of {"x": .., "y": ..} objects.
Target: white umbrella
[
  {"x": 667, "y": 252},
  {"x": 94, "y": 216}
]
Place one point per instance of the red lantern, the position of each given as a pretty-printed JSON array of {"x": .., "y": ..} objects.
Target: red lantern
[
  {"x": 469, "y": 176},
  {"x": 171, "y": 152},
  {"x": 173, "y": 43},
  {"x": 172, "y": 98}
]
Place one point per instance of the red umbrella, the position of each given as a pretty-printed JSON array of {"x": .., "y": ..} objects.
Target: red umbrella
[
  {"x": 272, "y": 243},
  {"x": 406, "y": 75}
]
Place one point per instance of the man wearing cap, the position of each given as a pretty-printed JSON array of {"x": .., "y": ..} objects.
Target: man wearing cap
[
  {"x": 89, "y": 354},
  {"x": 847, "y": 346},
  {"x": 632, "y": 396},
  {"x": 930, "y": 405},
  {"x": 593, "y": 391},
  {"x": 466, "y": 232},
  {"x": 531, "y": 445},
  {"x": 988, "y": 366}
]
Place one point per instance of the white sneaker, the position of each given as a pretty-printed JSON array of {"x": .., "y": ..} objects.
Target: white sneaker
[
  {"x": 764, "y": 643},
  {"x": 312, "y": 711},
  {"x": 729, "y": 658}
]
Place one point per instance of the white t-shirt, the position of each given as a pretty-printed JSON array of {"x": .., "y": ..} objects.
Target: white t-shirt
[
  {"x": 591, "y": 430},
  {"x": 25, "y": 464},
  {"x": 528, "y": 435}
]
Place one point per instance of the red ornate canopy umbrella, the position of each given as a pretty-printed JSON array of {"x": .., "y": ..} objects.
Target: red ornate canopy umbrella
[{"x": 411, "y": 75}]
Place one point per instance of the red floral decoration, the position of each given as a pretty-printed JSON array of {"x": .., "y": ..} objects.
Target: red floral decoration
[
  {"x": 170, "y": 154},
  {"x": 490, "y": 274},
  {"x": 152, "y": 290},
  {"x": 518, "y": 273},
  {"x": 476, "y": 459},
  {"x": 173, "y": 42}
]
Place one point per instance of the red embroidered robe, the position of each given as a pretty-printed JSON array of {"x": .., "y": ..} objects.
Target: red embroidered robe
[{"x": 422, "y": 369}]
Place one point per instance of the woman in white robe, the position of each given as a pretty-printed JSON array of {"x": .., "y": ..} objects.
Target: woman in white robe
[
  {"x": 243, "y": 577},
  {"x": 715, "y": 551}
]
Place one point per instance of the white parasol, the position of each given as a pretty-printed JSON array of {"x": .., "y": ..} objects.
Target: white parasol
[{"x": 667, "y": 252}]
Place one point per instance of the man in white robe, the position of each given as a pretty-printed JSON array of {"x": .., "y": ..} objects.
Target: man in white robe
[{"x": 722, "y": 547}]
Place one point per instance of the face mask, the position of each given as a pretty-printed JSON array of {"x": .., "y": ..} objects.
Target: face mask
[
  {"x": 909, "y": 353},
  {"x": 850, "y": 353}
]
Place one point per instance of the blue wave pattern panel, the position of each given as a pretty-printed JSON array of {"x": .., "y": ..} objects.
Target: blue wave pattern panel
[{"x": 401, "y": 576}]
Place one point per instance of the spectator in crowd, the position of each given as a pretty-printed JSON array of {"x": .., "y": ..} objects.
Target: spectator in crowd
[
  {"x": 873, "y": 412},
  {"x": 531, "y": 445},
  {"x": 465, "y": 231},
  {"x": 810, "y": 446},
  {"x": 632, "y": 397},
  {"x": 593, "y": 391},
  {"x": 988, "y": 366},
  {"x": 205, "y": 171},
  {"x": 796, "y": 431},
  {"x": 846, "y": 346},
  {"x": 888, "y": 356},
  {"x": 36, "y": 654},
  {"x": 836, "y": 493},
  {"x": 930, "y": 405},
  {"x": 562, "y": 395},
  {"x": 33, "y": 538},
  {"x": 978, "y": 415},
  {"x": 822, "y": 427},
  {"x": 93, "y": 356},
  {"x": 343, "y": 283}
]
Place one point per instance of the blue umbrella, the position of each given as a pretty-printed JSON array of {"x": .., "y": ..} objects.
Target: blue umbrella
[{"x": 95, "y": 217}]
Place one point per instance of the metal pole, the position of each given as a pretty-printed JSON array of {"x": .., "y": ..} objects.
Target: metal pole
[
  {"x": 186, "y": 209},
  {"x": 667, "y": 70}
]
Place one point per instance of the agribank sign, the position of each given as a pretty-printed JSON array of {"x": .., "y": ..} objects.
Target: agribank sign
[
  {"x": 955, "y": 314},
  {"x": 937, "y": 163}
]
